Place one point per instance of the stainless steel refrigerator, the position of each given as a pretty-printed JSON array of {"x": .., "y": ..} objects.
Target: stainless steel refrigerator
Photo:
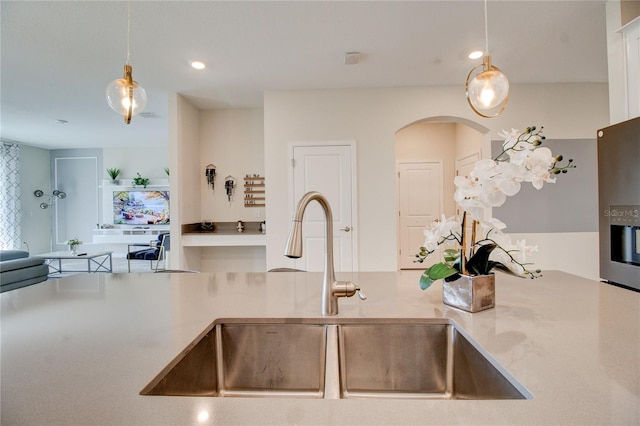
[{"x": 619, "y": 203}]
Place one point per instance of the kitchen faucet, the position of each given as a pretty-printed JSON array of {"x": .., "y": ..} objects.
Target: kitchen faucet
[{"x": 331, "y": 289}]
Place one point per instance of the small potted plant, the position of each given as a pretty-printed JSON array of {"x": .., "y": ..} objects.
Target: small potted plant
[
  {"x": 140, "y": 181},
  {"x": 114, "y": 173},
  {"x": 73, "y": 244}
]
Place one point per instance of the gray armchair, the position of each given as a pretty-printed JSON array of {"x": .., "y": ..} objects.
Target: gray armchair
[{"x": 154, "y": 251}]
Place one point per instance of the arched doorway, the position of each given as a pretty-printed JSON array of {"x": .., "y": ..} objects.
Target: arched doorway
[{"x": 429, "y": 154}]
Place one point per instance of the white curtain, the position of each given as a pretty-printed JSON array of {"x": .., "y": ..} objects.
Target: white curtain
[{"x": 10, "y": 215}]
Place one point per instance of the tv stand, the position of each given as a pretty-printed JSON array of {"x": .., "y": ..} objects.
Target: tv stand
[{"x": 142, "y": 234}]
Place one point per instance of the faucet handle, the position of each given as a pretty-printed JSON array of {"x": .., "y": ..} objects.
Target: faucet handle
[{"x": 347, "y": 289}]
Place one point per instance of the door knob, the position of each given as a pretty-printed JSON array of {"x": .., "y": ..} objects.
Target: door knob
[{"x": 346, "y": 229}]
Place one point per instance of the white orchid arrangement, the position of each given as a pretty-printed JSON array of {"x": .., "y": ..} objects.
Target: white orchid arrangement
[{"x": 488, "y": 185}]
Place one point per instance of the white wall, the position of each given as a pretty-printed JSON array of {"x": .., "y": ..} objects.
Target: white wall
[
  {"x": 149, "y": 162},
  {"x": 35, "y": 173},
  {"x": 468, "y": 141},
  {"x": 184, "y": 155},
  {"x": 232, "y": 140},
  {"x": 574, "y": 252},
  {"x": 373, "y": 116}
]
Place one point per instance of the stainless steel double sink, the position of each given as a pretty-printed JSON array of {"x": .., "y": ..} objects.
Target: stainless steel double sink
[{"x": 336, "y": 358}]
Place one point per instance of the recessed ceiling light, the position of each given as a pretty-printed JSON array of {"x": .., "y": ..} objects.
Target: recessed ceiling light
[
  {"x": 476, "y": 54},
  {"x": 198, "y": 65}
]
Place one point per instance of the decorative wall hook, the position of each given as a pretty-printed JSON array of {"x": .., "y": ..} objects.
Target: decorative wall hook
[
  {"x": 229, "y": 184},
  {"x": 210, "y": 173}
]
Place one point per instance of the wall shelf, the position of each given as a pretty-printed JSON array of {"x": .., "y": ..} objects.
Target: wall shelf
[{"x": 125, "y": 185}]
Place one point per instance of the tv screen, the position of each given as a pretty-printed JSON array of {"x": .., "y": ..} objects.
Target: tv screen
[{"x": 140, "y": 207}]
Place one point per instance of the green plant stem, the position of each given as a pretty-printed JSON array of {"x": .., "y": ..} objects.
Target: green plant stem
[
  {"x": 513, "y": 260},
  {"x": 521, "y": 138},
  {"x": 463, "y": 249}
]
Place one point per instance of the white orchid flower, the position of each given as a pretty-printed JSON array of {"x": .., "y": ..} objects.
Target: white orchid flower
[
  {"x": 492, "y": 223},
  {"x": 492, "y": 195},
  {"x": 512, "y": 171},
  {"x": 510, "y": 138},
  {"x": 477, "y": 209},
  {"x": 488, "y": 185},
  {"x": 439, "y": 231}
]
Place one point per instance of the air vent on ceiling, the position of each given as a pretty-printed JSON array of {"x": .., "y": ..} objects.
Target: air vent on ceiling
[
  {"x": 148, "y": 115},
  {"x": 352, "y": 58}
]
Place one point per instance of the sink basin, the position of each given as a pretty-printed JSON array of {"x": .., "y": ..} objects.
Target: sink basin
[
  {"x": 248, "y": 358},
  {"x": 426, "y": 359},
  {"x": 336, "y": 358}
]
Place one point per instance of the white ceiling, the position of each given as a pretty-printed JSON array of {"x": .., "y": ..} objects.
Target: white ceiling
[{"x": 57, "y": 57}]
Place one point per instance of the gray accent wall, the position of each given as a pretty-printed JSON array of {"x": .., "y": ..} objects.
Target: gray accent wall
[
  {"x": 569, "y": 205},
  {"x": 35, "y": 174},
  {"x": 76, "y": 172}
]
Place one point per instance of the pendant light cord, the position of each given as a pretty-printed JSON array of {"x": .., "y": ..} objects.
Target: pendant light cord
[
  {"x": 486, "y": 30},
  {"x": 129, "y": 30}
]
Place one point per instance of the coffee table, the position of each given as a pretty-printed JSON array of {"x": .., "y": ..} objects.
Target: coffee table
[{"x": 97, "y": 260}]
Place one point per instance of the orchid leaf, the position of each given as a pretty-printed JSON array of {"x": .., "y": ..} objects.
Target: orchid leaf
[
  {"x": 425, "y": 281},
  {"x": 479, "y": 263},
  {"x": 440, "y": 270},
  {"x": 434, "y": 273},
  {"x": 501, "y": 267}
]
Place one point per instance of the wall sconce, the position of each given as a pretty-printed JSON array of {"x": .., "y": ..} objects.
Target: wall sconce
[
  {"x": 51, "y": 199},
  {"x": 229, "y": 184},
  {"x": 210, "y": 173}
]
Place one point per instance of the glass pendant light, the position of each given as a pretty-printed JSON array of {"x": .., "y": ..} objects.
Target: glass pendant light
[
  {"x": 487, "y": 88},
  {"x": 124, "y": 95}
]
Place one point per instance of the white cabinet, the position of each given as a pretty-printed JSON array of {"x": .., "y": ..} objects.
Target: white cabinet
[
  {"x": 127, "y": 235},
  {"x": 631, "y": 40}
]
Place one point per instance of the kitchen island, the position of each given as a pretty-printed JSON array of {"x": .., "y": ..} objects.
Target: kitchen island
[{"x": 78, "y": 350}]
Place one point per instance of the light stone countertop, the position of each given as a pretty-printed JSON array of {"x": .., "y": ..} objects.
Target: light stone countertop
[{"x": 78, "y": 350}]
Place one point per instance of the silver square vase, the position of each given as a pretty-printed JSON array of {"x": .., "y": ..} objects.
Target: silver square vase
[{"x": 471, "y": 294}]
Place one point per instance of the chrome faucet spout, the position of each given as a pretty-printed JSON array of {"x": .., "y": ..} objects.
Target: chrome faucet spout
[{"x": 331, "y": 289}]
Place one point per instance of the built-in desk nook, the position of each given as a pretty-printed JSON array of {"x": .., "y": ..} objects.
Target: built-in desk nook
[{"x": 220, "y": 234}]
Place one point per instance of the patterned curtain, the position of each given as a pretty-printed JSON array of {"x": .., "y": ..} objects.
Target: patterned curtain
[{"x": 10, "y": 215}]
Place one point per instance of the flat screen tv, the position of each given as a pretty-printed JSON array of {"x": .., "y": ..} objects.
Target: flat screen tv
[{"x": 140, "y": 207}]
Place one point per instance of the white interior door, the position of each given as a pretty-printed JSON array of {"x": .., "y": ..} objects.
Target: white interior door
[
  {"x": 329, "y": 170},
  {"x": 420, "y": 202}
]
